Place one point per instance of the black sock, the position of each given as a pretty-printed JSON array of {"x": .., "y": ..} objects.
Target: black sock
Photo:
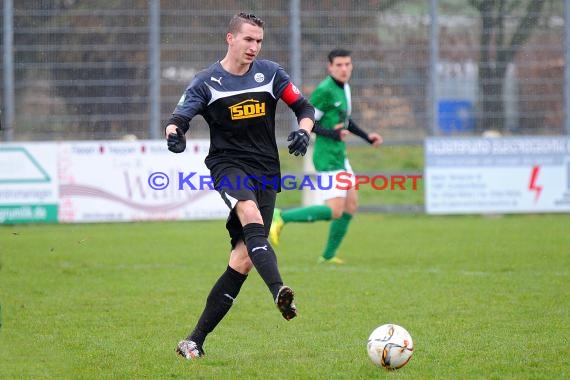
[
  {"x": 262, "y": 256},
  {"x": 219, "y": 301}
]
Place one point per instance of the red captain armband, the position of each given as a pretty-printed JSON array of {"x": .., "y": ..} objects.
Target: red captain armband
[{"x": 291, "y": 94}]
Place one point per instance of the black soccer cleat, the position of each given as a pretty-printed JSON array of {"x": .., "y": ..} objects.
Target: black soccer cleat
[{"x": 284, "y": 302}]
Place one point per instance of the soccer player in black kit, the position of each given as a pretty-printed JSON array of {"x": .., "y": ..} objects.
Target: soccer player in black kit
[{"x": 237, "y": 97}]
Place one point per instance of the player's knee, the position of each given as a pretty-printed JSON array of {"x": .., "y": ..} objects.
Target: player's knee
[
  {"x": 336, "y": 212},
  {"x": 352, "y": 207},
  {"x": 244, "y": 266},
  {"x": 240, "y": 261},
  {"x": 248, "y": 212}
]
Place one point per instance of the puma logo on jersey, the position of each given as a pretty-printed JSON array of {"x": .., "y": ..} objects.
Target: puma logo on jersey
[
  {"x": 217, "y": 80},
  {"x": 247, "y": 109},
  {"x": 264, "y": 247}
]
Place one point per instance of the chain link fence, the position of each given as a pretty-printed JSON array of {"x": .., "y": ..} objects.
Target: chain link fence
[{"x": 82, "y": 69}]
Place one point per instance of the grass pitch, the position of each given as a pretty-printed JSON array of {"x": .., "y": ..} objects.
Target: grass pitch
[{"x": 484, "y": 298}]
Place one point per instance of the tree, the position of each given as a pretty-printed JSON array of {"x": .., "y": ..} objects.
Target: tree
[{"x": 497, "y": 51}]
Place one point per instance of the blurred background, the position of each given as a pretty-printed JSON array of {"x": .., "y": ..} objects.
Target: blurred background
[{"x": 93, "y": 70}]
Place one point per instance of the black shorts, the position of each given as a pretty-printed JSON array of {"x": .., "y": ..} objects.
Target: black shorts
[{"x": 234, "y": 185}]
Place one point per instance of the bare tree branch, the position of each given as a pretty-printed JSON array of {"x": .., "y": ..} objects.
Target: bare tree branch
[
  {"x": 493, "y": 38},
  {"x": 500, "y": 23},
  {"x": 385, "y": 5},
  {"x": 516, "y": 4},
  {"x": 524, "y": 29},
  {"x": 477, "y": 4}
]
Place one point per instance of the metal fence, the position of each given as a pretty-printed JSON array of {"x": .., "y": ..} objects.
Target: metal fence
[{"x": 106, "y": 69}]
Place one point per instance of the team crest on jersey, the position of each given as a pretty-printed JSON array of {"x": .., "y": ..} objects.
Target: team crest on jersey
[
  {"x": 247, "y": 109},
  {"x": 259, "y": 77}
]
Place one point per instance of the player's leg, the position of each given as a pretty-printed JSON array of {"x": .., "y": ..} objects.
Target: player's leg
[
  {"x": 260, "y": 251},
  {"x": 253, "y": 205},
  {"x": 285, "y": 295},
  {"x": 339, "y": 227},
  {"x": 343, "y": 209},
  {"x": 228, "y": 285},
  {"x": 256, "y": 221},
  {"x": 313, "y": 213},
  {"x": 222, "y": 295},
  {"x": 307, "y": 214}
]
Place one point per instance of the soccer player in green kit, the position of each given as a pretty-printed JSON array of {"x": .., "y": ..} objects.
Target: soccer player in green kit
[{"x": 332, "y": 102}]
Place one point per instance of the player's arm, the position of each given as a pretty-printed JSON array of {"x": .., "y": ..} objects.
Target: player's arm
[
  {"x": 305, "y": 112},
  {"x": 299, "y": 139},
  {"x": 322, "y": 100},
  {"x": 190, "y": 104},
  {"x": 334, "y": 134},
  {"x": 373, "y": 138},
  {"x": 337, "y": 133},
  {"x": 175, "y": 130}
]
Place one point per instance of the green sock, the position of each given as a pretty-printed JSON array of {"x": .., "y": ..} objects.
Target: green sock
[
  {"x": 307, "y": 214},
  {"x": 337, "y": 231}
]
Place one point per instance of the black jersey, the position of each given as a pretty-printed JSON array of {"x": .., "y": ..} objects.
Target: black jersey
[{"x": 240, "y": 111}]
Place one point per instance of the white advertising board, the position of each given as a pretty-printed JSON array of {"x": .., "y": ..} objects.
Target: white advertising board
[
  {"x": 497, "y": 175},
  {"x": 133, "y": 181},
  {"x": 28, "y": 183}
]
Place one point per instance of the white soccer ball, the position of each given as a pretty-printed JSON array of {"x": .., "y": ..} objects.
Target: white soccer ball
[{"x": 390, "y": 346}]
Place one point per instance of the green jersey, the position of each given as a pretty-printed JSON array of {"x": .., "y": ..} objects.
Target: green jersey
[{"x": 332, "y": 103}]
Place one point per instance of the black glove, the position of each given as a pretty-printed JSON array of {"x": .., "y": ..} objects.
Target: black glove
[
  {"x": 176, "y": 141},
  {"x": 299, "y": 142}
]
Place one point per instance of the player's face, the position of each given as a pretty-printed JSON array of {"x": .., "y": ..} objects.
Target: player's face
[
  {"x": 246, "y": 44},
  {"x": 341, "y": 69}
]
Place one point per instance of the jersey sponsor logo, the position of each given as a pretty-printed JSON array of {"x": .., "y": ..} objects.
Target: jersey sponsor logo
[
  {"x": 259, "y": 77},
  {"x": 247, "y": 109}
]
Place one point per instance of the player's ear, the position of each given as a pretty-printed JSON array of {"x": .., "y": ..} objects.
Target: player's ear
[{"x": 329, "y": 67}]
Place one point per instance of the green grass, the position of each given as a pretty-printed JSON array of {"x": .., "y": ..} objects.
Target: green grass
[{"x": 484, "y": 298}]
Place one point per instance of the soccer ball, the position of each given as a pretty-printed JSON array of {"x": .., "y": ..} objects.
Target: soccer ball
[{"x": 390, "y": 346}]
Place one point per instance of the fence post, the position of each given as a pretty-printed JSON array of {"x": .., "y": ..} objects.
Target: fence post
[
  {"x": 154, "y": 69},
  {"x": 8, "y": 54},
  {"x": 296, "y": 76},
  {"x": 566, "y": 48},
  {"x": 295, "y": 47},
  {"x": 433, "y": 59}
]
